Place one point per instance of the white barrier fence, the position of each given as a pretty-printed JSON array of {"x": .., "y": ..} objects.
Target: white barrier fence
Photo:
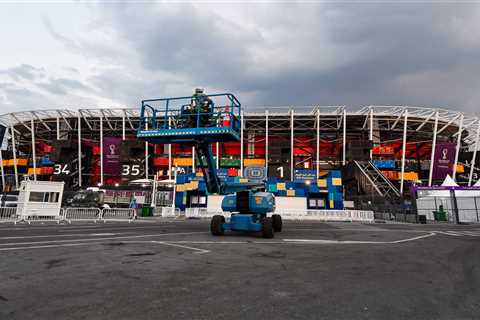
[
  {"x": 296, "y": 214},
  {"x": 8, "y": 214},
  {"x": 119, "y": 214},
  {"x": 167, "y": 212},
  {"x": 82, "y": 214}
]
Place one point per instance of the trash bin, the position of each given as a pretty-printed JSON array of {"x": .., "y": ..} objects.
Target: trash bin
[
  {"x": 422, "y": 219},
  {"x": 440, "y": 215},
  {"x": 146, "y": 211}
]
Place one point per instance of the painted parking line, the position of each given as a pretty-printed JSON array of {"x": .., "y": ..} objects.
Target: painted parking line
[
  {"x": 98, "y": 239},
  {"x": 172, "y": 244},
  {"x": 62, "y": 235}
]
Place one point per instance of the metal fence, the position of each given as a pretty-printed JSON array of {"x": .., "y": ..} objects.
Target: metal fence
[
  {"x": 118, "y": 214},
  {"x": 296, "y": 214},
  {"x": 468, "y": 208}
]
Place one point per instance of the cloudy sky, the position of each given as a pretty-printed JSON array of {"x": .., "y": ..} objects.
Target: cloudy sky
[{"x": 87, "y": 54}]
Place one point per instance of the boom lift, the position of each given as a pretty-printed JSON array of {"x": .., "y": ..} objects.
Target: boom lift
[{"x": 199, "y": 121}]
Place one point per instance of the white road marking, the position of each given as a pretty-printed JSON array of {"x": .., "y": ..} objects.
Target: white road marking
[
  {"x": 97, "y": 239},
  {"x": 320, "y": 241},
  {"x": 172, "y": 244},
  {"x": 62, "y": 235}
]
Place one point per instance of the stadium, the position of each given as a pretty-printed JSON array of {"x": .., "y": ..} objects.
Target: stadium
[{"x": 329, "y": 157}]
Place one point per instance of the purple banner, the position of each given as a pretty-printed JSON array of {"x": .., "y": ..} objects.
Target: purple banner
[
  {"x": 444, "y": 160},
  {"x": 111, "y": 156}
]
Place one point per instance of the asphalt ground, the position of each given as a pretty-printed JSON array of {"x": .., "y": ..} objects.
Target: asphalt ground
[{"x": 177, "y": 270}]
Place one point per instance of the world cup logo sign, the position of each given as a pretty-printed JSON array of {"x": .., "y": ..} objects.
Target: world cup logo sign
[
  {"x": 444, "y": 153},
  {"x": 112, "y": 148}
]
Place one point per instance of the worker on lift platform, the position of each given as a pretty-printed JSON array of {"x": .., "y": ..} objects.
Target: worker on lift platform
[{"x": 202, "y": 104}]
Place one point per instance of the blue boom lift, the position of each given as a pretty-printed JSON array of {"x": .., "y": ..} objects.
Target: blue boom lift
[{"x": 200, "y": 120}]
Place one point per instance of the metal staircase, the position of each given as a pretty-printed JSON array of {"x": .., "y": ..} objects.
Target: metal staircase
[{"x": 370, "y": 178}]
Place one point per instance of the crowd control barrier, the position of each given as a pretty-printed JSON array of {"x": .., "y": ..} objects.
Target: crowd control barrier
[
  {"x": 118, "y": 214},
  {"x": 296, "y": 214},
  {"x": 82, "y": 214},
  {"x": 8, "y": 214}
]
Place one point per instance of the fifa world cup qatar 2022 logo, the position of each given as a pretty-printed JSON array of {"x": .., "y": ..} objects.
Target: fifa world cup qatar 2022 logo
[
  {"x": 111, "y": 155},
  {"x": 444, "y": 160}
]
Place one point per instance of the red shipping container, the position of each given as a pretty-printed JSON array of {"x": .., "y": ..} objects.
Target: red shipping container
[{"x": 232, "y": 172}]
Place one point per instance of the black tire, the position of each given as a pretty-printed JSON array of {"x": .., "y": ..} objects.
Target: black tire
[
  {"x": 216, "y": 225},
  {"x": 267, "y": 228},
  {"x": 277, "y": 222}
]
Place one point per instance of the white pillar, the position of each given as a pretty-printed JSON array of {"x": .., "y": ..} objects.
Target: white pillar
[
  {"x": 459, "y": 145},
  {"x": 101, "y": 150},
  {"x": 317, "y": 156},
  {"x": 58, "y": 128},
  {"x": 123, "y": 127},
  {"x": 404, "y": 150},
  {"x": 193, "y": 160},
  {"x": 266, "y": 142},
  {"x": 292, "y": 159},
  {"x": 174, "y": 187},
  {"x": 146, "y": 154},
  {"x": 371, "y": 131},
  {"x": 241, "y": 143},
  {"x": 1, "y": 168},
  {"x": 14, "y": 151},
  {"x": 34, "y": 151},
  {"x": 434, "y": 146},
  {"x": 170, "y": 153},
  {"x": 217, "y": 155},
  {"x": 79, "y": 127},
  {"x": 344, "y": 160},
  {"x": 472, "y": 163}
]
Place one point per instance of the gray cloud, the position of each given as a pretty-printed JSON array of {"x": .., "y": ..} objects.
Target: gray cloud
[
  {"x": 23, "y": 71},
  {"x": 280, "y": 54}
]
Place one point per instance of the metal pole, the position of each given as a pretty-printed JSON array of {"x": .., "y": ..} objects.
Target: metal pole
[
  {"x": 404, "y": 151},
  {"x": 79, "y": 150},
  {"x": 193, "y": 159},
  {"x": 123, "y": 127},
  {"x": 174, "y": 187},
  {"x": 58, "y": 128},
  {"x": 146, "y": 154},
  {"x": 474, "y": 158},
  {"x": 266, "y": 142},
  {"x": 169, "y": 153},
  {"x": 101, "y": 150},
  {"x": 344, "y": 137},
  {"x": 434, "y": 146},
  {"x": 217, "y": 155},
  {"x": 34, "y": 153},
  {"x": 459, "y": 145},
  {"x": 371, "y": 131},
  {"x": 317, "y": 157},
  {"x": 1, "y": 168},
  {"x": 14, "y": 150},
  {"x": 291, "y": 144},
  {"x": 241, "y": 144}
]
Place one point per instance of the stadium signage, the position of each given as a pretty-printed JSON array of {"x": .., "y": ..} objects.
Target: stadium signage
[
  {"x": 111, "y": 155},
  {"x": 444, "y": 160},
  {"x": 304, "y": 175}
]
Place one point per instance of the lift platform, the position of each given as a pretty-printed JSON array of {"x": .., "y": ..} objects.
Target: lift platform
[
  {"x": 199, "y": 121},
  {"x": 173, "y": 120}
]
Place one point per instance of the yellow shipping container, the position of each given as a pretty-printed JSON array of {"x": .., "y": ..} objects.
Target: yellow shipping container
[
  {"x": 254, "y": 162},
  {"x": 460, "y": 168},
  {"x": 37, "y": 171},
  {"x": 337, "y": 181},
  {"x": 243, "y": 180},
  {"x": 281, "y": 186},
  {"x": 291, "y": 193},
  {"x": 182, "y": 162},
  {"x": 180, "y": 187},
  {"x": 322, "y": 183}
]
